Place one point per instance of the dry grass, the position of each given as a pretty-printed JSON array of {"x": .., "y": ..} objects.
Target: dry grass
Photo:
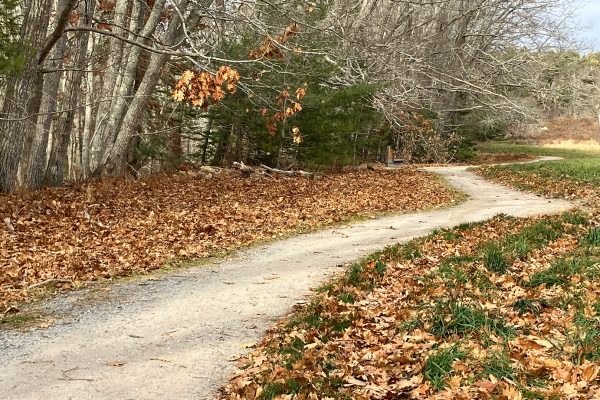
[{"x": 587, "y": 145}]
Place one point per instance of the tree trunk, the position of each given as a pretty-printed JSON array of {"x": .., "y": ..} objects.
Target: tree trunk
[
  {"x": 115, "y": 156},
  {"x": 58, "y": 164},
  {"x": 17, "y": 118},
  {"x": 39, "y": 148}
]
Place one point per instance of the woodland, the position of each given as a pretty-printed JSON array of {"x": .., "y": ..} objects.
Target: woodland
[
  {"x": 109, "y": 88},
  {"x": 140, "y": 139}
]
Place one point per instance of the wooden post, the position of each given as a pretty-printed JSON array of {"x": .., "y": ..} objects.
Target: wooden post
[{"x": 390, "y": 157}]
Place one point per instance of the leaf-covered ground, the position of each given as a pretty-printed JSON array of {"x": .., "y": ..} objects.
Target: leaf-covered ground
[
  {"x": 506, "y": 309},
  {"x": 72, "y": 235},
  {"x": 577, "y": 178}
]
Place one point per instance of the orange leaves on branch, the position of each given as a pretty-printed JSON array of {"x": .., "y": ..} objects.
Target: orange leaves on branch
[
  {"x": 270, "y": 48},
  {"x": 203, "y": 88},
  {"x": 288, "y": 108},
  {"x": 300, "y": 93},
  {"x": 297, "y": 135}
]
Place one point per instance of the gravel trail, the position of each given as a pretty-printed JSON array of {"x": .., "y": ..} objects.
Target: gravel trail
[{"x": 175, "y": 337}]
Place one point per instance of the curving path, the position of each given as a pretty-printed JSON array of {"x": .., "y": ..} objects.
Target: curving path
[{"x": 176, "y": 337}]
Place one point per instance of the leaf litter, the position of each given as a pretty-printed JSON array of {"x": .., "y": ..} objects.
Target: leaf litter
[
  {"x": 61, "y": 238},
  {"x": 432, "y": 319}
]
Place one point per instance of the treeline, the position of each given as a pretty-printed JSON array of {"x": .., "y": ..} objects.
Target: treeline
[{"x": 86, "y": 86}]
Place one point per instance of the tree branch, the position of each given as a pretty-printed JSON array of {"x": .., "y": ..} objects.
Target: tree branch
[{"x": 51, "y": 40}]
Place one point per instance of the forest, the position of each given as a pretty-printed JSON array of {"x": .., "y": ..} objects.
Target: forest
[{"x": 97, "y": 88}]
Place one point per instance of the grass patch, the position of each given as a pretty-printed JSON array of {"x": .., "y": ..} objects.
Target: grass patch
[
  {"x": 593, "y": 237},
  {"x": 22, "y": 320},
  {"x": 411, "y": 251},
  {"x": 454, "y": 318},
  {"x": 561, "y": 271},
  {"x": 533, "y": 306},
  {"x": 439, "y": 366},
  {"x": 410, "y": 325},
  {"x": 494, "y": 259},
  {"x": 586, "y": 339},
  {"x": 578, "y": 175},
  {"x": 347, "y": 298},
  {"x": 576, "y": 217},
  {"x": 354, "y": 276},
  {"x": 498, "y": 365},
  {"x": 577, "y": 170}
]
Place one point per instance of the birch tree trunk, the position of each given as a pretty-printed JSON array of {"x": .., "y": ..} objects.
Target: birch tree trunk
[{"x": 114, "y": 159}]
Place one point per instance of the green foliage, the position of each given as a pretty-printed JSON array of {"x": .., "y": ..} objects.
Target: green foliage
[
  {"x": 593, "y": 236},
  {"x": 465, "y": 151},
  {"x": 454, "y": 318},
  {"x": 494, "y": 259},
  {"x": 335, "y": 124},
  {"x": 12, "y": 56},
  {"x": 338, "y": 125},
  {"x": 439, "y": 365},
  {"x": 561, "y": 271}
]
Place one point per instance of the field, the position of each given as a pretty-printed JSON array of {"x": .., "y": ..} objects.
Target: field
[{"x": 576, "y": 177}]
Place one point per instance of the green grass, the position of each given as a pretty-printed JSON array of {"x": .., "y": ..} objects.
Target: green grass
[
  {"x": 454, "y": 318},
  {"x": 593, "y": 237},
  {"x": 586, "y": 339},
  {"x": 561, "y": 271},
  {"x": 411, "y": 251},
  {"x": 524, "y": 306},
  {"x": 347, "y": 298},
  {"x": 577, "y": 170},
  {"x": 410, "y": 325},
  {"x": 494, "y": 259},
  {"x": 498, "y": 365},
  {"x": 439, "y": 366},
  {"x": 579, "y": 167},
  {"x": 575, "y": 218}
]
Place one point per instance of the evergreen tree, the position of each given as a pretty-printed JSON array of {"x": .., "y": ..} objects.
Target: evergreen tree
[{"x": 12, "y": 58}]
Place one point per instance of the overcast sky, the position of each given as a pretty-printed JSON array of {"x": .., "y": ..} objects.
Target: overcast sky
[{"x": 589, "y": 17}]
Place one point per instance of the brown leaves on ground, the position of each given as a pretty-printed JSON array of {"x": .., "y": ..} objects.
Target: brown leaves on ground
[
  {"x": 66, "y": 236},
  {"x": 499, "y": 158},
  {"x": 561, "y": 188},
  {"x": 429, "y": 320}
]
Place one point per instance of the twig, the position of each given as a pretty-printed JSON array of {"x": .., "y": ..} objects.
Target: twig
[
  {"x": 47, "y": 282},
  {"x": 66, "y": 377}
]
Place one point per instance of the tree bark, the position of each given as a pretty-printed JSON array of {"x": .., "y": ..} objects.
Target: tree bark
[{"x": 18, "y": 116}]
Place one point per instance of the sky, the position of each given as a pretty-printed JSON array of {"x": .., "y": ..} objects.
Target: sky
[{"x": 589, "y": 17}]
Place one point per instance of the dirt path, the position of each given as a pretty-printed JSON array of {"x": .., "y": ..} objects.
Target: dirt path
[{"x": 174, "y": 338}]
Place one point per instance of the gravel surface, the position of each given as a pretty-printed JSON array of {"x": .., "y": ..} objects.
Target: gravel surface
[{"x": 176, "y": 337}]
